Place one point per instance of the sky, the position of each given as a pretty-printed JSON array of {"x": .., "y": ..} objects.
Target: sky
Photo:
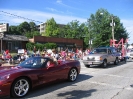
[{"x": 64, "y": 11}]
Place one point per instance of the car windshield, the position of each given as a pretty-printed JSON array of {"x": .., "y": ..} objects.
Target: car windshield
[
  {"x": 99, "y": 51},
  {"x": 33, "y": 62},
  {"x": 130, "y": 50}
]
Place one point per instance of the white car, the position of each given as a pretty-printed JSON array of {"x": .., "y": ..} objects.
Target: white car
[{"x": 130, "y": 54}]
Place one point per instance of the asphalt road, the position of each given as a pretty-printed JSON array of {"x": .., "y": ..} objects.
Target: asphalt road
[{"x": 113, "y": 82}]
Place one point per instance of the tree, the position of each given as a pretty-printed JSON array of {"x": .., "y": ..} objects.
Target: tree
[
  {"x": 32, "y": 34},
  {"x": 100, "y": 29},
  {"x": 33, "y": 26},
  {"x": 24, "y": 27},
  {"x": 52, "y": 29},
  {"x": 73, "y": 29},
  {"x": 13, "y": 30}
]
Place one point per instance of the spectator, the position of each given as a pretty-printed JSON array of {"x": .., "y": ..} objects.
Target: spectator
[
  {"x": 44, "y": 50},
  {"x": 7, "y": 51},
  {"x": 9, "y": 58},
  {"x": 38, "y": 53},
  {"x": 56, "y": 55},
  {"x": 26, "y": 56},
  {"x": 4, "y": 55},
  {"x": 34, "y": 49},
  {"x": 63, "y": 54},
  {"x": 22, "y": 57}
]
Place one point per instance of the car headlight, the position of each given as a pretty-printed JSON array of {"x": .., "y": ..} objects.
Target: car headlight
[
  {"x": 101, "y": 58},
  {"x": 98, "y": 58},
  {"x": 5, "y": 77}
]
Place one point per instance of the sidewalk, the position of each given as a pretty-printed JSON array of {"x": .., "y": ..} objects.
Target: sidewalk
[{"x": 7, "y": 64}]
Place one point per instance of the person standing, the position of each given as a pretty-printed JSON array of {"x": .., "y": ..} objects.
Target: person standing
[{"x": 34, "y": 49}]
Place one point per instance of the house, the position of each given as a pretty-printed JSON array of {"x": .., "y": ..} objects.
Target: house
[{"x": 13, "y": 42}]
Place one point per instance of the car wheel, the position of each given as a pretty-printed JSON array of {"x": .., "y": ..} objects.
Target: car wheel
[
  {"x": 104, "y": 64},
  {"x": 87, "y": 66},
  {"x": 125, "y": 59},
  {"x": 20, "y": 87},
  {"x": 116, "y": 61},
  {"x": 72, "y": 76}
]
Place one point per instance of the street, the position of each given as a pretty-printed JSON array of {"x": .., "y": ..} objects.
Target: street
[{"x": 113, "y": 82}]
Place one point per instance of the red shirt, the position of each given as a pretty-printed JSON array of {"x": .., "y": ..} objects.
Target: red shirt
[
  {"x": 8, "y": 56},
  {"x": 7, "y": 51}
]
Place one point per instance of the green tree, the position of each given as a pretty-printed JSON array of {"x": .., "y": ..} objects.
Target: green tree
[
  {"x": 73, "y": 29},
  {"x": 32, "y": 34},
  {"x": 85, "y": 35},
  {"x": 52, "y": 29},
  {"x": 13, "y": 30},
  {"x": 24, "y": 27},
  {"x": 33, "y": 26},
  {"x": 100, "y": 29}
]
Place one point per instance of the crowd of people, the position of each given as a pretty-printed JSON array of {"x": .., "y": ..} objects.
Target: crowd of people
[
  {"x": 8, "y": 58},
  {"x": 63, "y": 54}
]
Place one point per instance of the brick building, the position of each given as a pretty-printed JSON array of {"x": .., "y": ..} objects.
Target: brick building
[{"x": 61, "y": 42}]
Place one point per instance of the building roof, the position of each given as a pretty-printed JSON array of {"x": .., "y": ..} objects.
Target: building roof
[{"x": 15, "y": 38}]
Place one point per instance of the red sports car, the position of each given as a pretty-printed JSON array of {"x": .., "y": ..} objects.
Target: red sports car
[{"x": 16, "y": 81}]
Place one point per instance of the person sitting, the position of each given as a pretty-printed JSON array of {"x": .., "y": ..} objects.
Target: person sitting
[{"x": 52, "y": 61}]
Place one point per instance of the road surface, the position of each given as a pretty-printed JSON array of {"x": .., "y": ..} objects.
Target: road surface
[{"x": 113, "y": 82}]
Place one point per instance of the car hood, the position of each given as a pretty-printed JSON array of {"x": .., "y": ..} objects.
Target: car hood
[
  {"x": 96, "y": 55},
  {"x": 11, "y": 69}
]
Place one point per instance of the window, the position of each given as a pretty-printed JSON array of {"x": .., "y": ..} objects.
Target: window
[{"x": 33, "y": 62}]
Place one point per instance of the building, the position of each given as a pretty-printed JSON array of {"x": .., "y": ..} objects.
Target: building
[
  {"x": 61, "y": 42},
  {"x": 13, "y": 42},
  {"x": 43, "y": 27}
]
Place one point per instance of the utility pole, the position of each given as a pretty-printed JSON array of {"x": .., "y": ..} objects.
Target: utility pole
[
  {"x": 112, "y": 24},
  {"x": 89, "y": 33},
  {"x": 1, "y": 37}
]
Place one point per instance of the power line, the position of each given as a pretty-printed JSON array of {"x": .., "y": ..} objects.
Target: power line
[{"x": 19, "y": 16}]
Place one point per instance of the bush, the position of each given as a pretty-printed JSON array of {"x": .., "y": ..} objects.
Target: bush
[{"x": 40, "y": 46}]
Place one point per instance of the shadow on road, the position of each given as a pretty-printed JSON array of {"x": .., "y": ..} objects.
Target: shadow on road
[
  {"x": 77, "y": 94},
  {"x": 42, "y": 90}
]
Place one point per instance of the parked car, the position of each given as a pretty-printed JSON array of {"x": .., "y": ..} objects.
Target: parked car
[
  {"x": 130, "y": 54},
  {"x": 102, "y": 56},
  {"x": 17, "y": 81}
]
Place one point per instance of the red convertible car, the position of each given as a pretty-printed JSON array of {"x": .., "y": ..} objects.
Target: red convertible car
[{"x": 17, "y": 81}]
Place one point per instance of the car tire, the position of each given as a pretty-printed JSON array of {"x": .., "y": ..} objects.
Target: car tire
[
  {"x": 116, "y": 61},
  {"x": 72, "y": 75},
  {"x": 125, "y": 59},
  {"x": 104, "y": 64},
  {"x": 87, "y": 66},
  {"x": 20, "y": 87}
]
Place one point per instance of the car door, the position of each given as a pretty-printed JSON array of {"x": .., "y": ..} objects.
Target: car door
[
  {"x": 110, "y": 56},
  {"x": 114, "y": 54},
  {"x": 51, "y": 73},
  {"x": 62, "y": 70},
  {"x": 58, "y": 71}
]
